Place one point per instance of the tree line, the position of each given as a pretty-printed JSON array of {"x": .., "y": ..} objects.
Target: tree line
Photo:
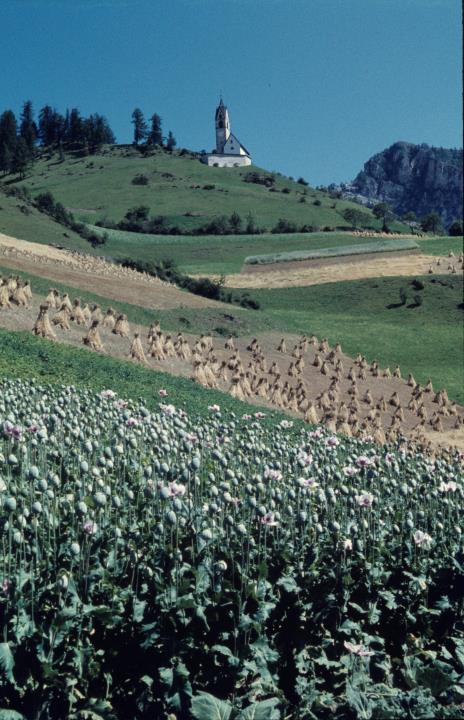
[{"x": 20, "y": 138}]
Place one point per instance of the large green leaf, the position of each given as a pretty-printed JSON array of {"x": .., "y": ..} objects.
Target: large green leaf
[
  {"x": 10, "y": 715},
  {"x": 6, "y": 661},
  {"x": 264, "y": 710},
  {"x": 208, "y": 707}
]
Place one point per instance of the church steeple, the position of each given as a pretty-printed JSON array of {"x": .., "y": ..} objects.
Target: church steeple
[{"x": 222, "y": 123}]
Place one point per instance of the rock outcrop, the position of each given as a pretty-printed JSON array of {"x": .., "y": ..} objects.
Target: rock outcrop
[{"x": 416, "y": 178}]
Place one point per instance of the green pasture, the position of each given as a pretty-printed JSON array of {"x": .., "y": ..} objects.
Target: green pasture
[
  {"x": 215, "y": 254},
  {"x": 366, "y": 317},
  {"x": 23, "y": 221},
  {"x": 441, "y": 245},
  {"x": 100, "y": 187}
]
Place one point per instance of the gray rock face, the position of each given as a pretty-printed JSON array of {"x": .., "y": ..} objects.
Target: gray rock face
[{"x": 416, "y": 178}]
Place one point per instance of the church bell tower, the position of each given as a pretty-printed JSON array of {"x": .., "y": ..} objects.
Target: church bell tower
[{"x": 222, "y": 126}]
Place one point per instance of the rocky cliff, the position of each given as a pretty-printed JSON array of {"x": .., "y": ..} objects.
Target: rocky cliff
[{"x": 419, "y": 178}]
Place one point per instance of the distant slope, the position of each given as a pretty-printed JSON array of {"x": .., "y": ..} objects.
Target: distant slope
[
  {"x": 180, "y": 188},
  {"x": 415, "y": 178},
  {"x": 20, "y": 219}
]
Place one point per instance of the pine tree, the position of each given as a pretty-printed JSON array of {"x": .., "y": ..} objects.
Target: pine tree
[
  {"x": 155, "y": 136},
  {"x": 6, "y": 156},
  {"x": 140, "y": 126},
  {"x": 28, "y": 128},
  {"x": 49, "y": 126},
  {"x": 21, "y": 158},
  {"x": 170, "y": 142}
]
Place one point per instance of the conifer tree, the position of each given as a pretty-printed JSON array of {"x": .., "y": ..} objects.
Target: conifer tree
[
  {"x": 28, "y": 128},
  {"x": 155, "y": 136},
  {"x": 21, "y": 158},
  {"x": 170, "y": 142},
  {"x": 140, "y": 126}
]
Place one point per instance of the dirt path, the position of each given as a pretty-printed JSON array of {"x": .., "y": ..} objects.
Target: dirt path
[
  {"x": 20, "y": 318},
  {"x": 95, "y": 274},
  {"x": 297, "y": 274}
]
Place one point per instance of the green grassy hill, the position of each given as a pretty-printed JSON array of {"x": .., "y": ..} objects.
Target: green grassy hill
[
  {"x": 20, "y": 219},
  {"x": 187, "y": 193}
]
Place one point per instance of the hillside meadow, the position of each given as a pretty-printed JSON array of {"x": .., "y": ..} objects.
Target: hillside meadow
[{"x": 187, "y": 193}]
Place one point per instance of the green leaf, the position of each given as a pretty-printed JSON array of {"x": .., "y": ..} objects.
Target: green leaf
[
  {"x": 6, "y": 661},
  {"x": 288, "y": 584},
  {"x": 264, "y": 710},
  {"x": 10, "y": 715},
  {"x": 208, "y": 707}
]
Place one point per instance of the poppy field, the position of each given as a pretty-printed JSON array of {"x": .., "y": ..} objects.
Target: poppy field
[{"x": 166, "y": 564}]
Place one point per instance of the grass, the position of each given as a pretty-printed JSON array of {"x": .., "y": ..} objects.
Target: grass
[
  {"x": 100, "y": 187},
  {"x": 22, "y": 221},
  {"x": 215, "y": 255},
  {"x": 365, "y": 316},
  {"x": 24, "y": 356},
  {"x": 377, "y": 246},
  {"x": 441, "y": 245}
]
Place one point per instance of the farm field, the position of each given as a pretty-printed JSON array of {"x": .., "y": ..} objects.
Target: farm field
[
  {"x": 100, "y": 187},
  {"x": 355, "y": 313},
  {"x": 220, "y": 567},
  {"x": 214, "y": 254},
  {"x": 366, "y": 317}
]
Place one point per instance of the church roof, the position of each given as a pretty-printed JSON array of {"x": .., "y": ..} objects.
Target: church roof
[{"x": 238, "y": 141}]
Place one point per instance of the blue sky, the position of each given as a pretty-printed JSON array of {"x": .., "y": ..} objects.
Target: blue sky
[{"x": 314, "y": 87}]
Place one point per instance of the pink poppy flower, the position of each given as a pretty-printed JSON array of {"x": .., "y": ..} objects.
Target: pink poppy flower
[
  {"x": 359, "y": 650},
  {"x": 163, "y": 393},
  {"x": 268, "y": 520},
  {"x": 365, "y": 499}
]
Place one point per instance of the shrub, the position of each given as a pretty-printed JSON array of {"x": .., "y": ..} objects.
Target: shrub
[
  {"x": 284, "y": 226},
  {"x": 209, "y": 187},
  {"x": 286, "y": 190},
  {"x": 140, "y": 180},
  {"x": 302, "y": 181},
  {"x": 317, "y": 202},
  {"x": 456, "y": 228}
]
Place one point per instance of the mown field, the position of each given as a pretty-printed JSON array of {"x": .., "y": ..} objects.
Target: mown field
[
  {"x": 161, "y": 563},
  {"x": 100, "y": 187},
  {"x": 215, "y": 254},
  {"x": 366, "y": 317}
]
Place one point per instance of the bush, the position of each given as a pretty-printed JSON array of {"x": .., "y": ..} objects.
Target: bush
[
  {"x": 209, "y": 187},
  {"x": 258, "y": 179},
  {"x": 317, "y": 202},
  {"x": 456, "y": 228},
  {"x": 140, "y": 180},
  {"x": 284, "y": 226},
  {"x": 286, "y": 191},
  {"x": 302, "y": 181}
]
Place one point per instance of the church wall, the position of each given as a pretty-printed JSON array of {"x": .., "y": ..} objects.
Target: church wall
[
  {"x": 233, "y": 146},
  {"x": 226, "y": 160}
]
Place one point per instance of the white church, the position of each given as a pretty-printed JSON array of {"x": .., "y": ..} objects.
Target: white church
[{"x": 229, "y": 150}]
